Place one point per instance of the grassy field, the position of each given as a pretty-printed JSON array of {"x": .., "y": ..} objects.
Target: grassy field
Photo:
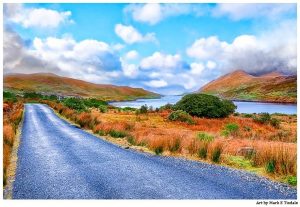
[
  {"x": 239, "y": 85},
  {"x": 12, "y": 116},
  {"x": 242, "y": 141},
  {"x": 260, "y": 143}
]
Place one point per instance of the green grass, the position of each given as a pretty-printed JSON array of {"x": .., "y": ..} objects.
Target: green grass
[
  {"x": 242, "y": 163},
  {"x": 230, "y": 129},
  {"x": 159, "y": 150},
  {"x": 117, "y": 134},
  {"x": 292, "y": 180},
  {"x": 205, "y": 137}
]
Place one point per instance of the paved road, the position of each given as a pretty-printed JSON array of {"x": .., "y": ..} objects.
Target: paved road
[{"x": 60, "y": 161}]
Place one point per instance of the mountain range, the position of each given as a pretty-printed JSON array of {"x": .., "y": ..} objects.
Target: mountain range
[
  {"x": 53, "y": 84},
  {"x": 239, "y": 85}
]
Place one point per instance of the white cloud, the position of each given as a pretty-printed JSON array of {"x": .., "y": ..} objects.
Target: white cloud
[
  {"x": 89, "y": 59},
  {"x": 118, "y": 47},
  {"x": 36, "y": 17},
  {"x": 156, "y": 83},
  {"x": 131, "y": 55},
  {"x": 130, "y": 35},
  {"x": 161, "y": 61},
  {"x": 152, "y": 13},
  {"x": 211, "y": 64},
  {"x": 248, "y": 11},
  {"x": 204, "y": 48},
  {"x": 272, "y": 50},
  {"x": 197, "y": 68},
  {"x": 129, "y": 70}
]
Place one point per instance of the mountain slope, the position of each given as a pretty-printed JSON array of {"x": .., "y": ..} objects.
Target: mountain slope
[
  {"x": 54, "y": 84},
  {"x": 239, "y": 85}
]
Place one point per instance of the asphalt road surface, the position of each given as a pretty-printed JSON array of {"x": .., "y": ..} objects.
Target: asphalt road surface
[{"x": 56, "y": 160}]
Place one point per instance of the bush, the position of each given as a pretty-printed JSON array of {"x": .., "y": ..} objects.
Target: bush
[
  {"x": 203, "y": 105},
  {"x": 182, "y": 116},
  {"x": 102, "y": 109},
  {"x": 175, "y": 146},
  {"x": 236, "y": 114},
  {"x": 32, "y": 95},
  {"x": 128, "y": 109},
  {"x": 117, "y": 134},
  {"x": 247, "y": 115},
  {"x": 203, "y": 152},
  {"x": 275, "y": 122},
  {"x": 9, "y": 96},
  {"x": 230, "y": 129},
  {"x": 168, "y": 106},
  {"x": 216, "y": 154},
  {"x": 158, "y": 150},
  {"x": 292, "y": 180},
  {"x": 202, "y": 136},
  {"x": 143, "y": 109},
  {"x": 131, "y": 140},
  {"x": 92, "y": 102},
  {"x": 264, "y": 118},
  {"x": 270, "y": 166},
  {"x": 75, "y": 103}
]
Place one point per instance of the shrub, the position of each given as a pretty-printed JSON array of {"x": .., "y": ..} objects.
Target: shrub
[
  {"x": 102, "y": 109},
  {"x": 92, "y": 102},
  {"x": 247, "y": 115},
  {"x": 32, "y": 95},
  {"x": 9, "y": 96},
  {"x": 270, "y": 166},
  {"x": 203, "y": 105},
  {"x": 143, "y": 109},
  {"x": 230, "y": 129},
  {"x": 168, "y": 106},
  {"x": 275, "y": 122},
  {"x": 236, "y": 114},
  {"x": 202, "y": 136},
  {"x": 128, "y": 109},
  {"x": 216, "y": 154},
  {"x": 131, "y": 140},
  {"x": 75, "y": 103},
  {"x": 292, "y": 180},
  {"x": 263, "y": 118},
  {"x": 175, "y": 145},
  {"x": 182, "y": 116},
  {"x": 117, "y": 134},
  {"x": 203, "y": 152},
  {"x": 158, "y": 150}
]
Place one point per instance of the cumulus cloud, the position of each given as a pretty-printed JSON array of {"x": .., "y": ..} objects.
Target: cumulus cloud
[
  {"x": 161, "y": 61},
  {"x": 248, "y": 11},
  {"x": 156, "y": 83},
  {"x": 35, "y": 17},
  {"x": 90, "y": 60},
  {"x": 170, "y": 74},
  {"x": 271, "y": 50},
  {"x": 17, "y": 59},
  {"x": 131, "y": 35},
  {"x": 153, "y": 13},
  {"x": 131, "y": 55}
]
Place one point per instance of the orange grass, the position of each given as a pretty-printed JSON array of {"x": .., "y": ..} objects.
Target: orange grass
[
  {"x": 12, "y": 115},
  {"x": 156, "y": 132}
]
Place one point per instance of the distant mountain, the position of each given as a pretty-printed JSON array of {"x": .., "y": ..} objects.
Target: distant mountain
[
  {"x": 53, "y": 84},
  {"x": 239, "y": 85}
]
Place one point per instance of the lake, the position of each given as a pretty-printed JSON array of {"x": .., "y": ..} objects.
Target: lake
[{"x": 242, "y": 107}]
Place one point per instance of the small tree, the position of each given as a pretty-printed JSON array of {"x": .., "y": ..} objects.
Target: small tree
[{"x": 204, "y": 105}]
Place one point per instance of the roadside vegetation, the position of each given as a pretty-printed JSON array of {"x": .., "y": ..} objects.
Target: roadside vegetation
[
  {"x": 12, "y": 116},
  {"x": 260, "y": 143}
]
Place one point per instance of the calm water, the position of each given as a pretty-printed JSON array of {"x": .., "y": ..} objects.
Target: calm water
[{"x": 242, "y": 107}]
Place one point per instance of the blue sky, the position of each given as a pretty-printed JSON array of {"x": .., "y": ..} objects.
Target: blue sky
[{"x": 166, "y": 48}]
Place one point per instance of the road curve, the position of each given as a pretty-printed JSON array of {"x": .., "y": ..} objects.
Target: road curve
[{"x": 59, "y": 161}]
